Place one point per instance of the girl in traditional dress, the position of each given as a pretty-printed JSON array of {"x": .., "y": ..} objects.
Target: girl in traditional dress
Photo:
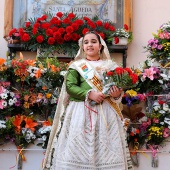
[{"x": 86, "y": 136}]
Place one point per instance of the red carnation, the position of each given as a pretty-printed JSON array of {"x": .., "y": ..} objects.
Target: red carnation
[
  {"x": 126, "y": 27},
  {"x": 69, "y": 29},
  {"x": 54, "y": 20},
  {"x": 106, "y": 25},
  {"x": 54, "y": 29},
  {"x": 45, "y": 25},
  {"x": 75, "y": 26},
  {"x": 102, "y": 35},
  {"x": 51, "y": 41},
  {"x": 58, "y": 22},
  {"x": 59, "y": 14},
  {"x": 91, "y": 24},
  {"x": 86, "y": 18},
  {"x": 25, "y": 37},
  {"x": 99, "y": 23},
  {"x": 116, "y": 40},
  {"x": 34, "y": 31},
  {"x": 79, "y": 22},
  {"x": 110, "y": 73},
  {"x": 134, "y": 78},
  {"x": 14, "y": 30},
  {"x": 40, "y": 38},
  {"x": 71, "y": 15},
  {"x": 49, "y": 32},
  {"x": 56, "y": 35},
  {"x": 27, "y": 24},
  {"x": 36, "y": 25},
  {"x": 44, "y": 17},
  {"x": 60, "y": 40},
  {"x": 112, "y": 28},
  {"x": 128, "y": 70},
  {"x": 67, "y": 37},
  {"x": 85, "y": 30},
  {"x": 66, "y": 21},
  {"x": 61, "y": 30},
  {"x": 75, "y": 37},
  {"x": 119, "y": 70}
]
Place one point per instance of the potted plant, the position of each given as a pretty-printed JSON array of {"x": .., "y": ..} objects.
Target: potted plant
[{"x": 121, "y": 36}]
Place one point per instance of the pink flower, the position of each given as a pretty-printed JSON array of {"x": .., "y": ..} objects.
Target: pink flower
[
  {"x": 1, "y": 105},
  {"x": 155, "y": 120},
  {"x": 149, "y": 73},
  {"x": 165, "y": 132},
  {"x": 2, "y": 89}
]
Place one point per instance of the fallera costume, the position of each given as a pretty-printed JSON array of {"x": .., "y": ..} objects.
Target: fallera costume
[{"x": 85, "y": 136}]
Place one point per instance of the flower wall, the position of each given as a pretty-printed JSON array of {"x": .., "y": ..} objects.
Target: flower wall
[{"x": 29, "y": 90}]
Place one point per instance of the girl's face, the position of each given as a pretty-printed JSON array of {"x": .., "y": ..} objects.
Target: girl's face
[{"x": 91, "y": 45}]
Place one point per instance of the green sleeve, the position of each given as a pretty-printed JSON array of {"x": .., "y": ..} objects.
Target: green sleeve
[{"x": 76, "y": 86}]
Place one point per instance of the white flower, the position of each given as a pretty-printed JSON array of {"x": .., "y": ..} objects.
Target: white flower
[
  {"x": 53, "y": 100},
  {"x": 4, "y": 103},
  {"x": 10, "y": 102},
  {"x": 156, "y": 106},
  {"x": 162, "y": 111},
  {"x": 63, "y": 73},
  {"x": 165, "y": 107},
  {"x": 44, "y": 137},
  {"x": 11, "y": 94},
  {"x": 143, "y": 119},
  {"x": 167, "y": 120},
  {"x": 4, "y": 95},
  {"x": 15, "y": 100},
  {"x": 164, "y": 76},
  {"x": 2, "y": 124},
  {"x": 160, "y": 81},
  {"x": 45, "y": 129}
]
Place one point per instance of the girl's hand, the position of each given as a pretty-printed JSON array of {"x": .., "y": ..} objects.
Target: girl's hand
[
  {"x": 115, "y": 91},
  {"x": 98, "y": 97}
]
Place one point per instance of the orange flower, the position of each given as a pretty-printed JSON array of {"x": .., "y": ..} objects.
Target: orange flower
[
  {"x": 54, "y": 68},
  {"x": 26, "y": 105},
  {"x": 44, "y": 87},
  {"x": 2, "y": 61},
  {"x": 47, "y": 123},
  {"x": 48, "y": 95},
  {"x": 26, "y": 98},
  {"x": 30, "y": 124},
  {"x": 38, "y": 74},
  {"x": 17, "y": 122},
  {"x": 31, "y": 62}
]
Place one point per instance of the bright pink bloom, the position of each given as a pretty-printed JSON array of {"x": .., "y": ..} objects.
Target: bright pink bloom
[{"x": 149, "y": 73}]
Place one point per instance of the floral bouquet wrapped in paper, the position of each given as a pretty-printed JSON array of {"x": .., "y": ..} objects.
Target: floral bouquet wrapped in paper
[{"x": 123, "y": 78}]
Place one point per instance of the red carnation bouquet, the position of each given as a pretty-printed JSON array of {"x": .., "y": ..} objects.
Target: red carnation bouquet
[{"x": 124, "y": 78}]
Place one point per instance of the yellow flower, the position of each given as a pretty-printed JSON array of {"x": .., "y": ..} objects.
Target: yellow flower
[{"x": 131, "y": 92}]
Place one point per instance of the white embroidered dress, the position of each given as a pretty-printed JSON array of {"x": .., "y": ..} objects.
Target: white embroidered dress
[{"x": 91, "y": 138}]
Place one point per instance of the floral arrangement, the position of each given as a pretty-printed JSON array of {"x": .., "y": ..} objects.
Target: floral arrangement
[
  {"x": 124, "y": 78},
  {"x": 60, "y": 32},
  {"x": 158, "y": 46},
  {"x": 150, "y": 75},
  {"x": 131, "y": 97},
  {"x": 121, "y": 33},
  {"x": 29, "y": 91}
]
